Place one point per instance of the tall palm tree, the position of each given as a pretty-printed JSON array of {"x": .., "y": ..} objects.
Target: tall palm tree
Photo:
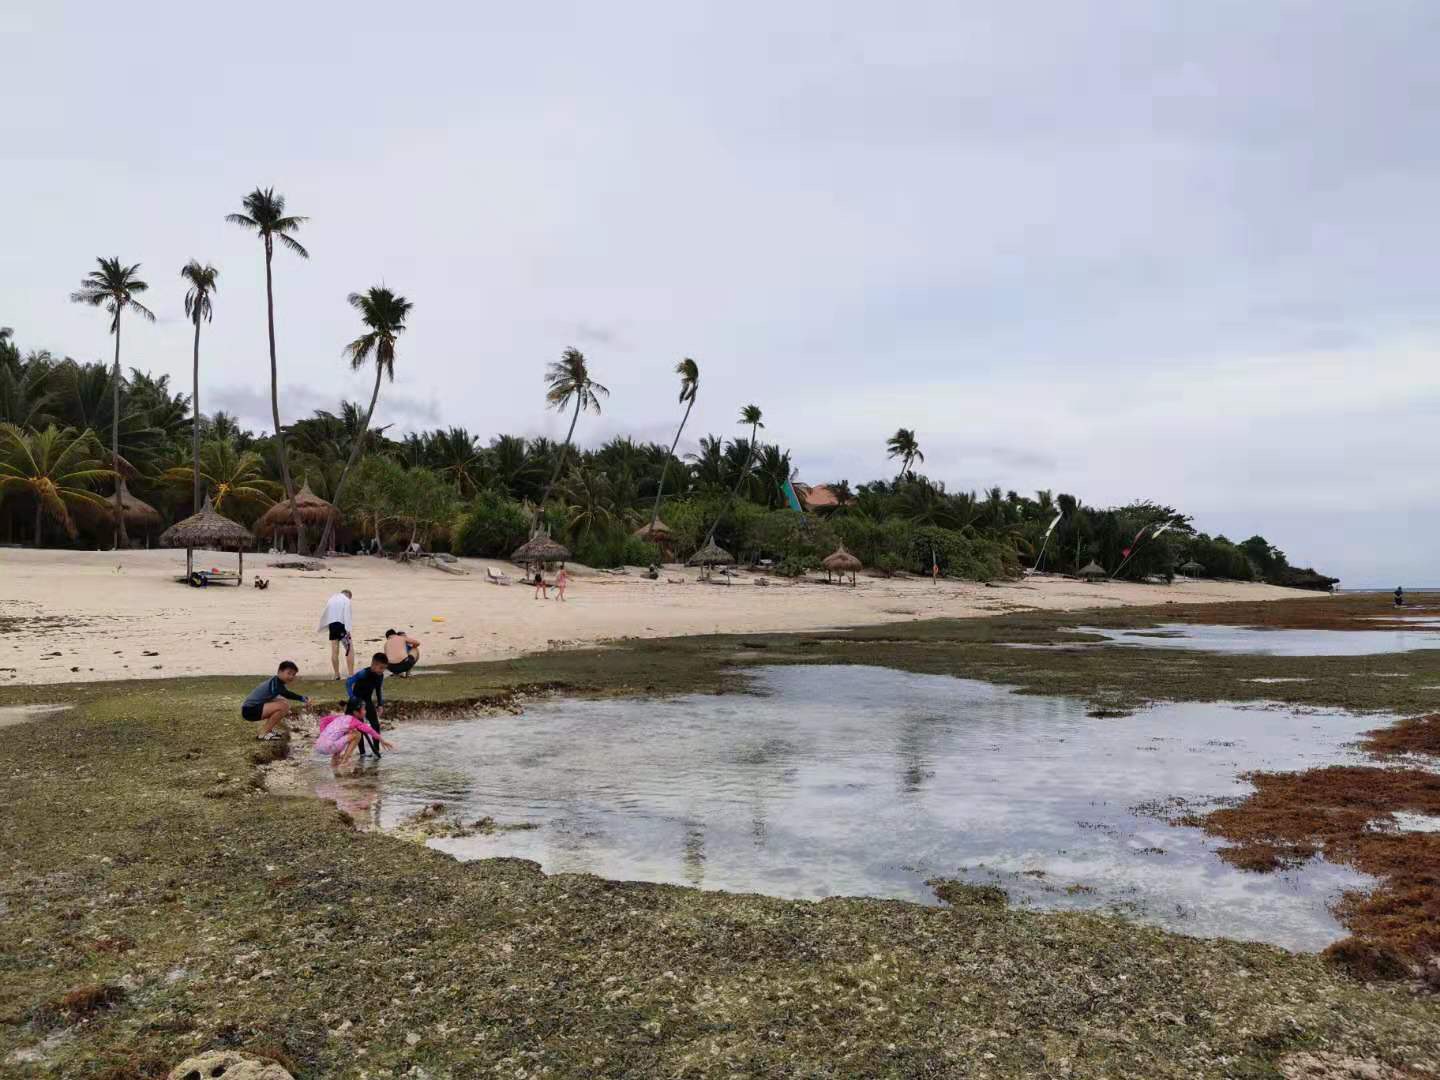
[
  {"x": 55, "y": 466},
  {"x": 384, "y": 314},
  {"x": 689, "y": 373},
  {"x": 265, "y": 214},
  {"x": 751, "y": 415},
  {"x": 114, "y": 287},
  {"x": 197, "y": 307},
  {"x": 568, "y": 380},
  {"x": 903, "y": 445}
]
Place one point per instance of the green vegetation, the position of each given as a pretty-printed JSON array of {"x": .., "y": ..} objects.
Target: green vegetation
[{"x": 159, "y": 902}]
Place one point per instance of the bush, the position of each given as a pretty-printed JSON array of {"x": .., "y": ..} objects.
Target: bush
[
  {"x": 615, "y": 548},
  {"x": 492, "y": 527},
  {"x": 980, "y": 558}
]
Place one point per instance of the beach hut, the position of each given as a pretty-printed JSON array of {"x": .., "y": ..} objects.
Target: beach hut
[
  {"x": 140, "y": 516},
  {"x": 539, "y": 550},
  {"x": 661, "y": 535},
  {"x": 1092, "y": 571},
  {"x": 309, "y": 507},
  {"x": 1192, "y": 569},
  {"x": 207, "y": 529},
  {"x": 842, "y": 563},
  {"x": 709, "y": 557}
]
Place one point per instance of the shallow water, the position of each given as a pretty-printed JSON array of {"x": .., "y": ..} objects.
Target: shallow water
[
  {"x": 867, "y": 781},
  {"x": 1248, "y": 639}
]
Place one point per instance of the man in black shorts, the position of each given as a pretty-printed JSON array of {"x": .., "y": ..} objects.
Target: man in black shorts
[
  {"x": 336, "y": 620},
  {"x": 402, "y": 652},
  {"x": 269, "y": 703}
]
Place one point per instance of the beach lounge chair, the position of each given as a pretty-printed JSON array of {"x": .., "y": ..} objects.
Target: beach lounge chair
[{"x": 496, "y": 577}]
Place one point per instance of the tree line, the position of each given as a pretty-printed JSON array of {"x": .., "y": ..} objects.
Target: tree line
[{"x": 451, "y": 489}]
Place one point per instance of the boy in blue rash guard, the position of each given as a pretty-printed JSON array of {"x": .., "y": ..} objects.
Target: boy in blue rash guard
[
  {"x": 368, "y": 686},
  {"x": 269, "y": 703}
]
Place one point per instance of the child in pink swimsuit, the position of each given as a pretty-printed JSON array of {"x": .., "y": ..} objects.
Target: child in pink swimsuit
[{"x": 340, "y": 733}]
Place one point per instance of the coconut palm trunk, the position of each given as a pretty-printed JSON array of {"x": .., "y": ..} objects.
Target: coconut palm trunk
[
  {"x": 350, "y": 462},
  {"x": 275, "y": 400},
  {"x": 195, "y": 423},
  {"x": 121, "y": 538},
  {"x": 559, "y": 465},
  {"x": 735, "y": 491},
  {"x": 665, "y": 468}
]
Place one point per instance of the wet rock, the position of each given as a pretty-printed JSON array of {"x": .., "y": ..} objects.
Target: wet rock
[{"x": 229, "y": 1065}]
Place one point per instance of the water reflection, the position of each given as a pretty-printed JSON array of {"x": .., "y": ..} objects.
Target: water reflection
[
  {"x": 1259, "y": 642},
  {"x": 866, "y": 781}
]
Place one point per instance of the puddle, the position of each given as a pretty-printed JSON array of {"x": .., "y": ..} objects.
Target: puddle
[
  {"x": 1246, "y": 639},
  {"x": 1271, "y": 679},
  {"x": 20, "y": 714},
  {"x": 866, "y": 781}
]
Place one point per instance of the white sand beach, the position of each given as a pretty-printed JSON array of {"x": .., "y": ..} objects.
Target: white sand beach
[{"x": 69, "y": 616}]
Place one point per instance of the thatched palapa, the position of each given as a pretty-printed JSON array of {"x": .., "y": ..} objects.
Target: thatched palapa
[
  {"x": 1092, "y": 570},
  {"x": 842, "y": 562},
  {"x": 656, "y": 532},
  {"x": 207, "y": 529},
  {"x": 137, "y": 512},
  {"x": 309, "y": 507},
  {"x": 712, "y": 554},
  {"x": 539, "y": 549}
]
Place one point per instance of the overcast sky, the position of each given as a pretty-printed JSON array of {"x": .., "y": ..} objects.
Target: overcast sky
[{"x": 1185, "y": 252}]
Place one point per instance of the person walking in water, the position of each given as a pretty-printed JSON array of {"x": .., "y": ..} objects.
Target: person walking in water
[{"x": 337, "y": 621}]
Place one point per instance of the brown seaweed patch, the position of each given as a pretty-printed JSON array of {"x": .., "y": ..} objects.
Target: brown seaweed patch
[{"x": 1413, "y": 735}]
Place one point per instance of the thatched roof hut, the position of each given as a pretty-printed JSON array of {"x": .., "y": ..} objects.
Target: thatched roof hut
[
  {"x": 656, "y": 532},
  {"x": 207, "y": 529},
  {"x": 539, "y": 549},
  {"x": 1092, "y": 570},
  {"x": 712, "y": 554},
  {"x": 138, "y": 513},
  {"x": 309, "y": 507},
  {"x": 1192, "y": 569},
  {"x": 842, "y": 562}
]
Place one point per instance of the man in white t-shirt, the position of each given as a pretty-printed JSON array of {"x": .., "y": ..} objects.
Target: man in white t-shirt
[{"x": 337, "y": 621}]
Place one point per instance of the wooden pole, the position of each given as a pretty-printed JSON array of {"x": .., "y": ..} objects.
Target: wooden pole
[{"x": 241, "y": 553}]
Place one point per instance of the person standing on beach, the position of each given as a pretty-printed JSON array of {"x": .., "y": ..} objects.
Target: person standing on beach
[
  {"x": 540, "y": 586},
  {"x": 269, "y": 703},
  {"x": 561, "y": 580},
  {"x": 336, "y": 620}
]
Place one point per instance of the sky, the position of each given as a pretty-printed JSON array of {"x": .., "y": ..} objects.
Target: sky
[{"x": 1128, "y": 250}]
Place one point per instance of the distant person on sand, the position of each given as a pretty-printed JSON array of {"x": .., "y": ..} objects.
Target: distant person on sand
[
  {"x": 340, "y": 733},
  {"x": 1399, "y": 596},
  {"x": 269, "y": 703},
  {"x": 541, "y": 587},
  {"x": 336, "y": 620},
  {"x": 369, "y": 687},
  {"x": 402, "y": 652},
  {"x": 561, "y": 580}
]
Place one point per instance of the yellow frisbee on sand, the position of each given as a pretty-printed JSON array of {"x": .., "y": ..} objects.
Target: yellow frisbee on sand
[{"x": 437, "y": 618}]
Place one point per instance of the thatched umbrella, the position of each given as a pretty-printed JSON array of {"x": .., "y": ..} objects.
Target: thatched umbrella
[
  {"x": 1192, "y": 569},
  {"x": 207, "y": 529},
  {"x": 658, "y": 533},
  {"x": 711, "y": 555},
  {"x": 1092, "y": 570},
  {"x": 139, "y": 515},
  {"x": 842, "y": 563},
  {"x": 539, "y": 550},
  {"x": 309, "y": 507}
]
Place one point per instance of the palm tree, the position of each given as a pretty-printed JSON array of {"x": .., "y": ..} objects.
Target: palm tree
[
  {"x": 903, "y": 445},
  {"x": 55, "y": 466},
  {"x": 751, "y": 415},
  {"x": 265, "y": 214},
  {"x": 569, "y": 380},
  {"x": 384, "y": 314},
  {"x": 689, "y": 373},
  {"x": 197, "y": 307},
  {"x": 113, "y": 287},
  {"x": 228, "y": 475}
]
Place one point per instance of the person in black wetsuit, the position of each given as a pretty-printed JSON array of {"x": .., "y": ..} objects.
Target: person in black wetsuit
[
  {"x": 368, "y": 687},
  {"x": 1399, "y": 596}
]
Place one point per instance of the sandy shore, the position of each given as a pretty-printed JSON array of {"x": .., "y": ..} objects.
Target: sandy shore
[{"x": 69, "y": 616}]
